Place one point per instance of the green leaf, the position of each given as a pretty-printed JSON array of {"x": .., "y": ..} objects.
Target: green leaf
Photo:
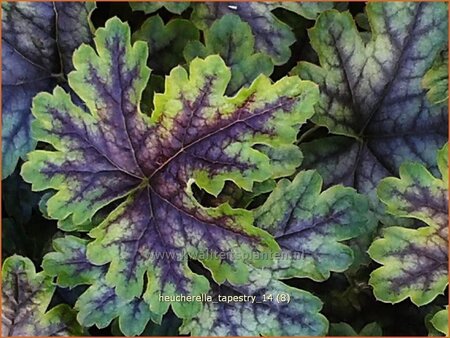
[
  {"x": 345, "y": 330},
  {"x": 148, "y": 164},
  {"x": 38, "y": 40},
  {"x": 371, "y": 330},
  {"x": 25, "y": 298},
  {"x": 272, "y": 37},
  {"x": 236, "y": 197},
  {"x": 371, "y": 93},
  {"x": 169, "y": 326},
  {"x": 69, "y": 263},
  {"x": 153, "y": 6},
  {"x": 362, "y": 21},
  {"x": 435, "y": 80},
  {"x": 232, "y": 39},
  {"x": 440, "y": 321},
  {"x": 309, "y": 10},
  {"x": 414, "y": 260},
  {"x": 310, "y": 226},
  {"x": 264, "y": 315},
  {"x": 165, "y": 42},
  {"x": 99, "y": 304}
]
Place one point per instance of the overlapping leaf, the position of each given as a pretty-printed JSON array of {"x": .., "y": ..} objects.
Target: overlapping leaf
[
  {"x": 167, "y": 42},
  {"x": 440, "y": 321},
  {"x": 310, "y": 227},
  {"x": 266, "y": 315},
  {"x": 25, "y": 299},
  {"x": 233, "y": 40},
  {"x": 345, "y": 330},
  {"x": 272, "y": 37},
  {"x": 436, "y": 80},
  {"x": 151, "y": 7},
  {"x": 195, "y": 134},
  {"x": 414, "y": 260},
  {"x": 99, "y": 304},
  {"x": 371, "y": 93},
  {"x": 38, "y": 40}
]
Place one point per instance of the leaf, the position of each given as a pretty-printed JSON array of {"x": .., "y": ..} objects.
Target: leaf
[
  {"x": 99, "y": 304},
  {"x": 297, "y": 317},
  {"x": 70, "y": 264},
  {"x": 38, "y": 40},
  {"x": 194, "y": 135},
  {"x": 237, "y": 198},
  {"x": 167, "y": 42},
  {"x": 232, "y": 39},
  {"x": 414, "y": 260},
  {"x": 151, "y": 7},
  {"x": 169, "y": 327},
  {"x": 309, "y": 10},
  {"x": 362, "y": 21},
  {"x": 25, "y": 298},
  {"x": 344, "y": 329},
  {"x": 371, "y": 94},
  {"x": 272, "y": 37},
  {"x": 440, "y": 321},
  {"x": 435, "y": 80},
  {"x": 372, "y": 330},
  {"x": 310, "y": 226},
  {"x": 341, "y": 160}
]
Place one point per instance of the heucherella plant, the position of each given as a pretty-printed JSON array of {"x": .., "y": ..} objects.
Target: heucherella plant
[
  {"x": 309, "y": 226},
  {"x": 232, "y": 39},
  {"x": 150, "y": 7},
  {"x": 26, "y": 296},
  {"x": 167, "y": 41},
  {"x": 99, "y": 304},
  {"x": 225, "y": 168},
  {"x": 436, "y": 80},
  {"x": 32, "y": 66},
  {"x": 415, "y": 261},
  {"x": 372, "y": 93},
  {"x": 440, "y": 321},
  {"x": 272, "y": 37},
  {"x": 195, "y": 134}
]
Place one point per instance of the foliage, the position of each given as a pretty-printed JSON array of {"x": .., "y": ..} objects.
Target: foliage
[
  {"x": 343, "y": 329},
  {"x": 211, "y": 168},
  {"x": 150, "y": 7},
  {"x": 436, "y": 80},
  {"x": 371, "y": 93},
  {"x": 25, "y": 298},
  {"x": 440, "y": 321},
  {"x": 415, "y": 260},
  {"x": 302, "y": 220},
  {"x": 29, "y": 67},
  {"x": 272, "y": 36},
  {"x": 233, "y": 40}
]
